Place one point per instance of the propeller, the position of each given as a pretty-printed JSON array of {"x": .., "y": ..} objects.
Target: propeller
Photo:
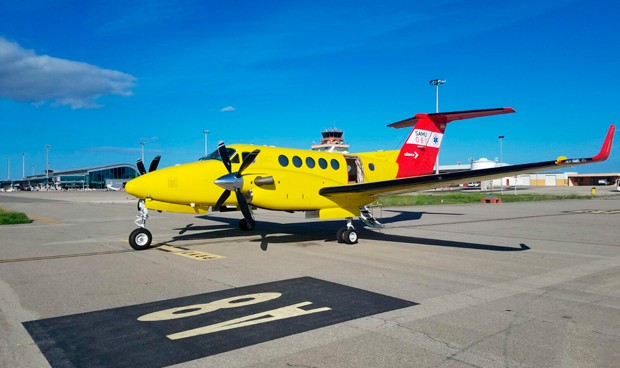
[
  {"x": 152, "y": 167},
  {"x": 233, "y": 181}
]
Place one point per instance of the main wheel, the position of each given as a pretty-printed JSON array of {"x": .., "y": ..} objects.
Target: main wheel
[
  {"x": 245, "y": 225},
  {"x": 140, "y": 239},
  {"x": 350, "y": 236},
  {"x": 340, "y": 234}
]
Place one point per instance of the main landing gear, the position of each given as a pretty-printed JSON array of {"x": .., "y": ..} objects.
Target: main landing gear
[
  {"x": 348, "y": 234},
  {"x": 141, "y": 238}
]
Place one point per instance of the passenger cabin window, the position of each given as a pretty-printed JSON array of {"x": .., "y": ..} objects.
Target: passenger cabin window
[
  {"x": 310, "y": 162},
  {"x": 283, "y": 160},
  {"x": 322, "y": 163},
  {"x": 296, "y": 161},
  {"x": 371, "y": 167},
  {"x": 335, "y": 164}
]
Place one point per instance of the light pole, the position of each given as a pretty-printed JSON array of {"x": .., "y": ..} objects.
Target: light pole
[
  {"x": 206, "y": 132},
  {"x": 436, "y": 83},
  {"x": 23, "y": 165},
  {"x": 142, "y": 143},
  {"x": 9, "y": 171},
  {"x": 501, "y": 162},
  {"x": 47, "y": 164}
]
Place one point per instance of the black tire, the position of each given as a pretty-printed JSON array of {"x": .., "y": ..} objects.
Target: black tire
[
  {"x": 340, "y": 234},
  {"x": 245, "y": 225},
  {"x": 350, "y": 236},
  {"x": 140, "y": 239}
]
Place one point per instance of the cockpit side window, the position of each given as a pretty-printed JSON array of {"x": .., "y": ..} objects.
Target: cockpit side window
[{"x": 215, "y": 155}]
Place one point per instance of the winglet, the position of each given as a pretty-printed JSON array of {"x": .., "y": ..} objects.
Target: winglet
[{"x": 606, "y": 149}]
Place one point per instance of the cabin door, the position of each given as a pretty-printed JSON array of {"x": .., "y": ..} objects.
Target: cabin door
[{"x": 355, "y": 170}]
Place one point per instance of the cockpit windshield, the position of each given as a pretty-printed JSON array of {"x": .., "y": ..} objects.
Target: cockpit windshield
[{"x": 215, "y": 155}]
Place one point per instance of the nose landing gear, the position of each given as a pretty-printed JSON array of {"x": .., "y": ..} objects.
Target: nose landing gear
[{"x": 141, "y": 238}]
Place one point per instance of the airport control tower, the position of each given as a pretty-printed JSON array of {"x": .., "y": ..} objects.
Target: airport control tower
[{"x": 332, "y": 142}]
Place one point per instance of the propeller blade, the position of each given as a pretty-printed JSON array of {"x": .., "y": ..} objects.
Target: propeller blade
[
  {"x": 247, "y": 161},
  {"x": 221, "y": 200},
  {"x": 245, "y": 208},
  {"x": 154, "y": 163},
  {"x": 221, "y": 149},
  {"x": 141, "y": 168}
]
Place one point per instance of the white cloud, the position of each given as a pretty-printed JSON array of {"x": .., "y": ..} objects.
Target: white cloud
[
  {"x": 28, "y": 77},
  {"x": 227, "y": 109}
]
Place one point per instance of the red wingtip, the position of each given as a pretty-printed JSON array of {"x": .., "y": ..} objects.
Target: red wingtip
[{"x": 606, "y": 149}]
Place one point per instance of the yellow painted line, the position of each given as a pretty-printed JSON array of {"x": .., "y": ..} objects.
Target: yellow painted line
[
  {"x": 45, "y": 220},
  {"x": 192, "y": 254}
]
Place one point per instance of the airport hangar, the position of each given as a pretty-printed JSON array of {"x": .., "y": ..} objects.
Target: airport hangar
[{"x": 98, "y": 177}]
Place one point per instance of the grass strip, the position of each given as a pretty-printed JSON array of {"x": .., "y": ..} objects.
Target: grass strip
[
  {"x": 462, "y": 198},
  {"x": 11, "y": 218}
]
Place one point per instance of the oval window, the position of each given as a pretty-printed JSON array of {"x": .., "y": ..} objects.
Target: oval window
[
  {"x": 371, "y": 167},
  {"x": 283, "y": 160},
  {"x": 335, "y": 164},
  {"x": 296, "y": 161},
  {"x": 322, "y": 163},
  {"x": 310, "y": 162}
]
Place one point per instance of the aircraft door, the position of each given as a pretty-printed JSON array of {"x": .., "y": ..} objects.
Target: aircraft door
[{"x": 355, "y": 169}]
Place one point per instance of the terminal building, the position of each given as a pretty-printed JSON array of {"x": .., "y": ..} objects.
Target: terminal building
[{"x": 99, "y": 177}]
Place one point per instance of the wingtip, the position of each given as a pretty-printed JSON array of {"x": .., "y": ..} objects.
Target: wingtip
[{"x": 606, "y": 149}]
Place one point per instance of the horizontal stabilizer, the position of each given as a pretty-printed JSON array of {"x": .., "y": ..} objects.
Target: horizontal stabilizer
[{"x": 446, "y": 117}]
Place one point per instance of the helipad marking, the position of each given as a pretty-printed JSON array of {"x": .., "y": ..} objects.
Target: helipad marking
[
  {"x": 192, "y": 254},
  {"x": 174, "y": 331}
]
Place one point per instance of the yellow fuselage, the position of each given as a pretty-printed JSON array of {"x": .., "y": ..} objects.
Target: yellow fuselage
[{"x": 297, "y": 175}]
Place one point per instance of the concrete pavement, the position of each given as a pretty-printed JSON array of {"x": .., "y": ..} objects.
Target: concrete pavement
[{"x": 508, "y": 285}]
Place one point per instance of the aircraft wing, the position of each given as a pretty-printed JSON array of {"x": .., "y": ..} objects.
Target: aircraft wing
[{"x": 418, "y": 183}]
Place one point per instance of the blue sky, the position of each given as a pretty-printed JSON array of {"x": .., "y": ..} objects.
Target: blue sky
[{"x": 94, "y": 78}]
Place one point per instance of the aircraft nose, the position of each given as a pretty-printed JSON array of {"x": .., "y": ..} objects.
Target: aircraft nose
[{"x": 135, "y": 187}]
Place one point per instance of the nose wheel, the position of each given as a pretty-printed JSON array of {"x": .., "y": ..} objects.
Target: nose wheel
[{"x": 140, "y": 239}]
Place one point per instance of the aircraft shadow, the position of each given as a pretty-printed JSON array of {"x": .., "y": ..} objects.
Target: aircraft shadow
[
  {"x": 410, "y": 215},
  {"x": 313, "y": 235}
]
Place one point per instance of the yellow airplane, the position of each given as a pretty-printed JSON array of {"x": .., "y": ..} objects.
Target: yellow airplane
[{"x": 325, "y": 185}]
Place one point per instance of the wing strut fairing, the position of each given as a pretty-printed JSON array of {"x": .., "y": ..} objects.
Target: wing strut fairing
[{"x": 418, "y": 183}]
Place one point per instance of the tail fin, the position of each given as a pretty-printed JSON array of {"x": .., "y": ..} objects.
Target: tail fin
[{"x": 419, "y": 153}]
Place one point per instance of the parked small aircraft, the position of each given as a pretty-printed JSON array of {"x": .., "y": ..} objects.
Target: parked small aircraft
[
  {"x": 110, "y": 187},
  {"x": 325, "y": 185}
]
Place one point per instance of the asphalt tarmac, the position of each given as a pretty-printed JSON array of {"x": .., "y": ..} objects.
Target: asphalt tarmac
[{"x": 484, "y": 285}]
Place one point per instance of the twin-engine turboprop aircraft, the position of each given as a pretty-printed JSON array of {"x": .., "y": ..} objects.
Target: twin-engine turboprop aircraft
[{"x": 325, "y": 185}]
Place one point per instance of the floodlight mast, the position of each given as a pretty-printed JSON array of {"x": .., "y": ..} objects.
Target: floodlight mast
[
  {"x": 436, "y": 83},
  {"x": 142, "y": 143},
  {"x": 206, "y": 132},
  {"x": 501, "y": 162},
  {"x": 47, "y": 164}
]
